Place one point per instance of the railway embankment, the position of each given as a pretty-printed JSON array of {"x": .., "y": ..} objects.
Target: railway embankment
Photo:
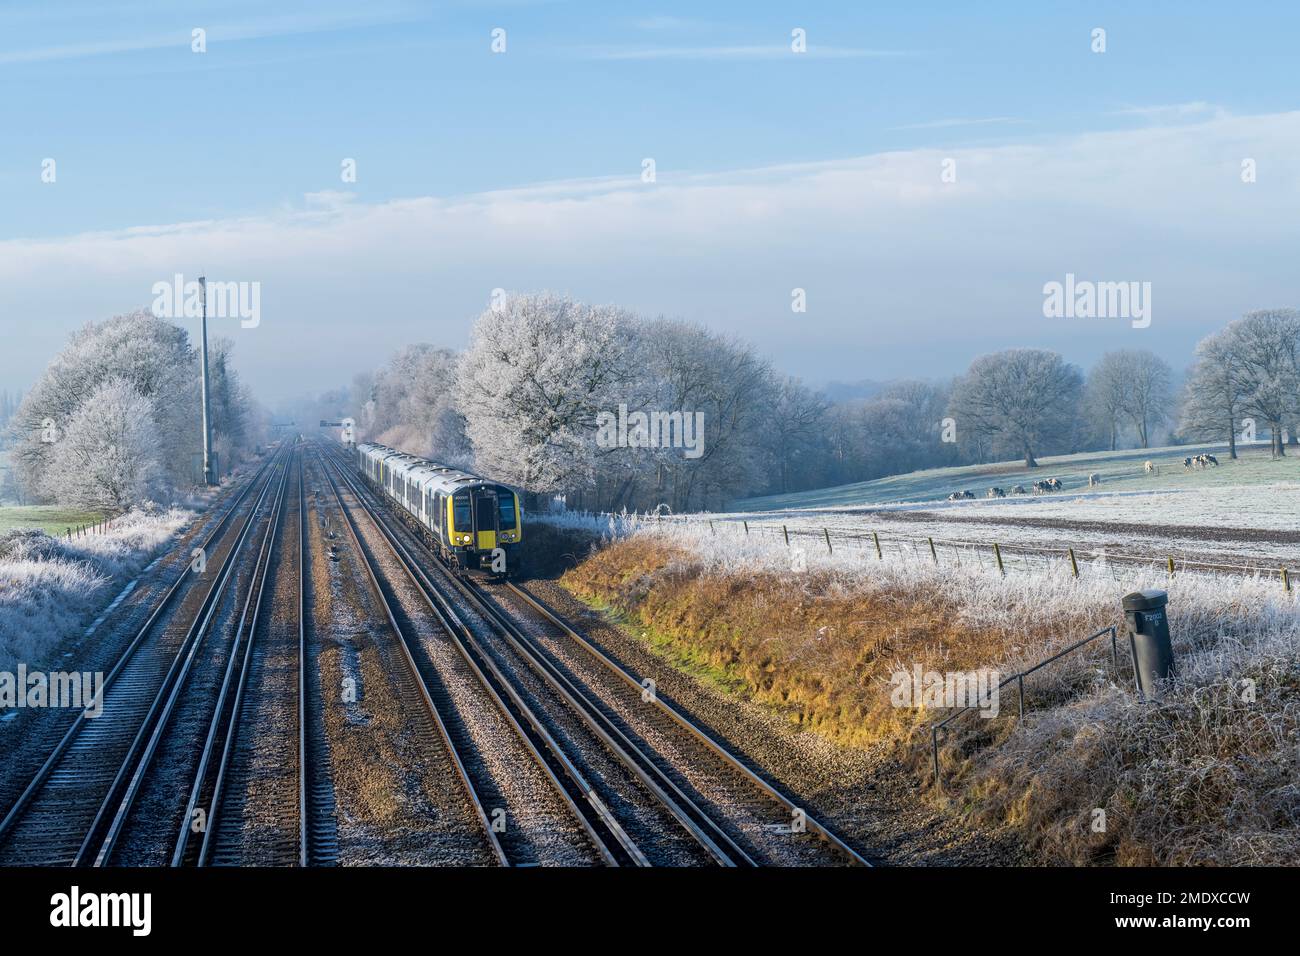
[
  {"x": 862, "y": 657},
  {"x": 51, "y": 587}
]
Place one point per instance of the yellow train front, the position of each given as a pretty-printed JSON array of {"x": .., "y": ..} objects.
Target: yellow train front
[{"x": 470, "y": 521}]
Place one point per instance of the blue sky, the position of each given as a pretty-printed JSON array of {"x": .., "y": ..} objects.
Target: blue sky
[{"x": 521, "y": 170}]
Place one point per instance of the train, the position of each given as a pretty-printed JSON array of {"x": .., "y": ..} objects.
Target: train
[{"x": 470, "y": 521}]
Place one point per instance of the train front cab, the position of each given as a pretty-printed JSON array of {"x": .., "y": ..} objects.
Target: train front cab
[{"x": 481, "y": 519}]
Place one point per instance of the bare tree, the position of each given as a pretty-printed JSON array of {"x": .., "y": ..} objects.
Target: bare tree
[
  {"x": 797, "y": 429},
  {"x": 1215, "y": 390},
  {"x": 1150, "y": 392},
  {"x": 155, "y": 359},
  {"x": 1132, "y": 386},
  {"x": 1026, "y": 399},
  {"x": 1268, "y": 344},
  {"x": 1106, "y": 396}
]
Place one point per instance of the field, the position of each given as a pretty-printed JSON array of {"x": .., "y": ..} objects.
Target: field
[
  {"x": 1119, "y": 471},
  {"x": 51, "y": 519},
  {"x": 1239, "y": 515}
]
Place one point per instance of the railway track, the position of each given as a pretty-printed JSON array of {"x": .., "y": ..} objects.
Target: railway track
[
  {"x": 455, "y": 697},
  {"x": 769, "y": 824},
  {"x": 733, "y": 816},
  {"x": 260, "y": 795},
  {"x": 70, "y": 812}
]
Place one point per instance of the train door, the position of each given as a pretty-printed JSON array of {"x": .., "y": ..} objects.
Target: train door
[{"x": 487, "y": 519}]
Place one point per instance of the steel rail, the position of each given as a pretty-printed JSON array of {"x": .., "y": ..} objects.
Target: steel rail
[
  {"x": 717, "y": 843},
  {"x": 690, "y": 727},
  {"x": 245, "y": 635},
  {"x": 160, "y": 711},
  {"x": 42, "y": 774},
  {"x": 304, "y": 830},
  {"x": 478, "y": 660},
  {"x": 425, "y": 697}
]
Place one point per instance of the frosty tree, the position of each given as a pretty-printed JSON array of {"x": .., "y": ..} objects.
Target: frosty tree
[
  {"x": 1268, "y": 346},
  {"x": 109, "y": 456},
  {"x": 539, "y": 370},
  {"x": 154, "y": 358}
]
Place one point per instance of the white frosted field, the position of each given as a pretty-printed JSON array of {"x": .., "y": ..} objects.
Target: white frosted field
[{"x": 1244, "y": 512}]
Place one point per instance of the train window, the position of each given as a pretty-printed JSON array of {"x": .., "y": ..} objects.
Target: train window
[
  {"x": 506, "y": 505},
  {"x": 486, "y": 506},
  {"x": 462, "y": 517}
]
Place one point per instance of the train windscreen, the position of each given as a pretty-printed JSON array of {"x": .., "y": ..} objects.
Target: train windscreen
[{"x": 506, "y": 503}]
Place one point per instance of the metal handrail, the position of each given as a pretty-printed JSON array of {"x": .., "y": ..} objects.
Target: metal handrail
[{"x": 1019, "y": 678}]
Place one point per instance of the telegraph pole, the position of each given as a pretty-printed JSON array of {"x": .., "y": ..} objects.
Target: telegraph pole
[{"x": 208, "y": 477}]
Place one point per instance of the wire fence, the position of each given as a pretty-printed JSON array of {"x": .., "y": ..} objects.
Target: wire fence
[
  {"x": 962, "y": 555},
  {"x": 95, "y": 527}
]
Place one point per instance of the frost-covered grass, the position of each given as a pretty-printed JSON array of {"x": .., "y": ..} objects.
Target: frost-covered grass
[
  {"x": 1121, "y": 471},
  {"x": 1228, "y": 525},
  {"x": 50, "y": 587},
  {"x": 1207, "y": 775},
  {"x": 599, "y": 525}
]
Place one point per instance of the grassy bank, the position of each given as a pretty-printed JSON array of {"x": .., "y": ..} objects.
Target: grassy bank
[{"x": 1091, "y": 775}]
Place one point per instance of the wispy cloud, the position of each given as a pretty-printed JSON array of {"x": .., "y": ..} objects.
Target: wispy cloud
[
  {"x": 738, "y": 52},
  {"x": 979, "y": 121},
  {"x": 1197, "y": 109},
  {"x": 665, "y": 23},
  {"x": 262, "y": 28}
]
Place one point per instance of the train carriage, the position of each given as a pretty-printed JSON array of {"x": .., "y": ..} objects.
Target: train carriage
[{"x": 464, "y": 516}]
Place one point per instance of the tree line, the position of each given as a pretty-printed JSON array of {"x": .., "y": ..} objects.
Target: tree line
[{"x": 525, "y": 401}]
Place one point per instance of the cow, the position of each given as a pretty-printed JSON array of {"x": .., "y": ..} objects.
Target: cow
[
  {"x": 1054, "y": 484},
  {"x": 1211, "y": 460},
  {"x": 1094, "y": 480},
  {"x": 1187, "y": 463},
  {"x": 996, "y": 492},
  {"x": 1018, "y": 490},
  {"x": 1041, "y": 487},
  {"x": 961, "y": 495},
  {"x": 1149, "y": 467}
]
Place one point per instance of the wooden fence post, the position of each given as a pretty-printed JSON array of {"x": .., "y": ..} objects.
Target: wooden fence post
[
  {"x": 829, "y": 549},
  {"x": 880, "y": 556},
  {"x": 997, "y": 553},
  {"x": 1074, "y": 565},
  {"x": 933, "y": 553}
]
